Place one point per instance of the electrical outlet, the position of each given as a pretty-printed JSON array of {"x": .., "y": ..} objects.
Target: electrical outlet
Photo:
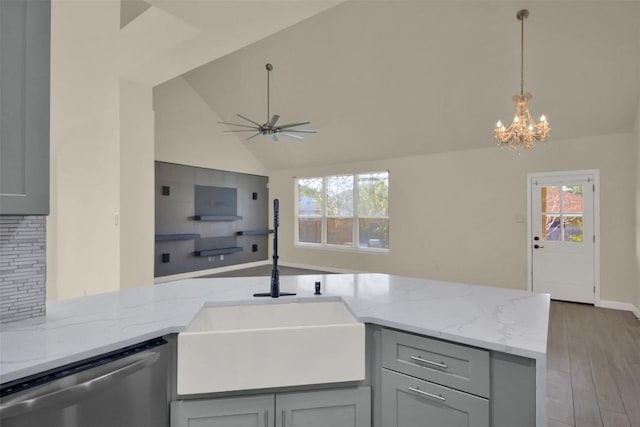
[
  {"x": 221, "y": 257},
  {"x": 210, "y": 259}
]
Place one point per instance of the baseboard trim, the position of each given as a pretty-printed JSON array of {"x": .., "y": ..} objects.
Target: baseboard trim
[
  {"x": 195, "y": 274},
  {"x": 617, "y": 305},
  {"x": 319, "y": 268}
]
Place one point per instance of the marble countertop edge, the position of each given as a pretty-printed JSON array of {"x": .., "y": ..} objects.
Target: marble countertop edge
[{"x": 77, "y": 329}]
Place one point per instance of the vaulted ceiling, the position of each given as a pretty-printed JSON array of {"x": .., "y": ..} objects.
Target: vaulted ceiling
[
  {"x": 161, "y": 39},
  {"x": 396, "y": 78}
]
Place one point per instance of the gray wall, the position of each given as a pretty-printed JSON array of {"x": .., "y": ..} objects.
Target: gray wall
[
  {"x": 22, "y": 267},
  {"x": 175, "y": 211}
]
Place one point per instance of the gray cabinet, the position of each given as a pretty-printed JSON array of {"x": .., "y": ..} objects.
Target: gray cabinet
[
  {"x": 349, "y": 407},
  {"x": 343, "y": 407},
  {"x": 452, "y": 365},
  {"x": 410, "y": 402},
  {"x": 433, "y": 383},
  {"x": 24, "y": 106},
  {"x": 246, "y": 411}
]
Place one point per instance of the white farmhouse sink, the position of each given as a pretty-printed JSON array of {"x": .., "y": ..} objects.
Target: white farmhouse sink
[{"x": 270, "y": 345}]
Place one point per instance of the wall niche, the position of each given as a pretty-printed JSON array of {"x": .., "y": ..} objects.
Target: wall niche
[{"x": 208, "y": 218}]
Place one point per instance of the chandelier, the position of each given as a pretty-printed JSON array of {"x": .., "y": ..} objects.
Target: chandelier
[{"x": 523, "y": 132}]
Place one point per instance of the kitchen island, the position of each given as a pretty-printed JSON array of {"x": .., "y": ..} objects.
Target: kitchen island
[{"x": 499, "y": 320}]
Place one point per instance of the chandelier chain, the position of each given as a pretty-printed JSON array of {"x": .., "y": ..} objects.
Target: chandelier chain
[{"x": 522, "y": 55}]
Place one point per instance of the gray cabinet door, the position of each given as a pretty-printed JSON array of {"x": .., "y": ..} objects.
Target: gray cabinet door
[
  {"x": 24, "y": 106},
  {"x": 411, "y": 402},
  {"x": 346, "y": 407},
  {"x": 249, "y": 411}
]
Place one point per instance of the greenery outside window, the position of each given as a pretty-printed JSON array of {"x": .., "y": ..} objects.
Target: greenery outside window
[{"x": 344, "y": 211}]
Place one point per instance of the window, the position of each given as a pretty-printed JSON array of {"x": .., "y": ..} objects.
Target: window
[
  {"x": 562, "y": 213},
  {"x": 349, "y": 211}
]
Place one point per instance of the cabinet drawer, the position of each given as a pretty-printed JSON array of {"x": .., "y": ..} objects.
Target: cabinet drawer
[
  {"x": 452, "y": 365},
  {"x": 410, "y": 402}
]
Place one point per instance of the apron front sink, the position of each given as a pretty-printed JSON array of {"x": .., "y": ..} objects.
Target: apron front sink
[{"x": 267, "y": 345}]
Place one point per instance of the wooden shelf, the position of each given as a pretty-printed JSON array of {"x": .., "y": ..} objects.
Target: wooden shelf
[
  {"x": 171, "y": 237},
  {"x": 216, "y": 218},
  {"x": 220, "y": 251},
  {"x": 254, "y": 232}
]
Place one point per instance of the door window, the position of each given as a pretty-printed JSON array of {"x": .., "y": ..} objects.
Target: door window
[{"x": 562, "y": 213}]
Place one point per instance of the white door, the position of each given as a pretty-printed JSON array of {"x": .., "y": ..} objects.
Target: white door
[{"x": 563, "y": 255}]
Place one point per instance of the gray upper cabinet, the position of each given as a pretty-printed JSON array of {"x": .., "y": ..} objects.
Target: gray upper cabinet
[{"x": 24, "y": 106}]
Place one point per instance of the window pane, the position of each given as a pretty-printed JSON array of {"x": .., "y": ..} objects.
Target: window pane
[
  {"x": 340, "y": 231},
  {"x": 310, "y": 196},
  {"x": 572, "y": 199},
  {"x": 373, "y": 194},
  {"x": 573, "y": 230},
  {"x": 550, "y": 199},
  {"x": 340, "y": 195},
  {"x": 374, "y": 233},
  {"x": 551, "y": 229},
  {"x": 310, "y": 230}
]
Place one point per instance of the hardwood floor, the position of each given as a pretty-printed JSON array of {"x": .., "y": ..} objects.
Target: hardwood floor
[{"x": 593, "y": 367}]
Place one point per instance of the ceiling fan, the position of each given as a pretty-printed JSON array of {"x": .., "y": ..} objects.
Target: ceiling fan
[{"x": 270, "y": 127}]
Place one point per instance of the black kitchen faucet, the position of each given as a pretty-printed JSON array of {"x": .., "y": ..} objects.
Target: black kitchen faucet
[{"x": 275, "y": 274}]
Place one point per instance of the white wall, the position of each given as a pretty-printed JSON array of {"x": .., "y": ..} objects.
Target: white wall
[
  {"x": 637, "y": 210},
  {"x": 187, "y": 132},
  {"x": 82, "y": 238},
  {"x": 136, "y": 184},
  {"x": 100, "y": 231},
  {"x": 637, "y": 135},
  {"x": 453, "y": 215}
]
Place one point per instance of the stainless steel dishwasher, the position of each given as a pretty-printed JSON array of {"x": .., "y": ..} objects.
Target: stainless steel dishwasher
[{"x": 125, "y": 388}]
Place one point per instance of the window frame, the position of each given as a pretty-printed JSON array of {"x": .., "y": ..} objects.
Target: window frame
[{"x": 324, "y": 244}]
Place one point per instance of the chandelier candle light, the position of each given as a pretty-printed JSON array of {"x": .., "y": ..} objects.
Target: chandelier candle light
[{"x": 523, "y": 132}]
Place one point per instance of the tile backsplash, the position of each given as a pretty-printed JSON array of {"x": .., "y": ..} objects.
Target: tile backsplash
[{"x": 22, "y": 267}]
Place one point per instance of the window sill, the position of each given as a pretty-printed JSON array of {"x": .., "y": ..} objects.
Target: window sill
[{"x": 336, "y": 248}]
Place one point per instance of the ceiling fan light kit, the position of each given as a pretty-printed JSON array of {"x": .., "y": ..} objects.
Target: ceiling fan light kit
[
  {"x": 270, "y": 127},
  {"x": 523, "y": 132}
]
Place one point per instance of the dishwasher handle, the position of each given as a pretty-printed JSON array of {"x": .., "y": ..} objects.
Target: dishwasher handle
[{"x": 69, "y": 395}]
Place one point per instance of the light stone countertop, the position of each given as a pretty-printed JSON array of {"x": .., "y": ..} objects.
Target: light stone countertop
[{"x": 504, "y": 320}]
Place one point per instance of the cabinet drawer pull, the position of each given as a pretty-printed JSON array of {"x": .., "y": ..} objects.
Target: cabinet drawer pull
[
  {"x": 424, "y": 393},
  {"x": 429, "y": 362},
  {"x": 284, "y": 416}
]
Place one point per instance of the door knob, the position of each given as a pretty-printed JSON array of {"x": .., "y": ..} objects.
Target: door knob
[
  {"x": 537, "y": 247},
  {"x": 536, "y": 238}
]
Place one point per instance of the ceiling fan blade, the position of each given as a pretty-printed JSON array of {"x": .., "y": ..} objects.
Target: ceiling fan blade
[
  {"x": 291, "y": 125},
  {"x": 252, "y": 136},
  {"x": 249, "y": 120},
  {"x": 292, "y": 136},
  {"x": 236, "y": 124},
  {"x": 273, "y": 121},
  {"x": 242, "y": 130},
  {"x": 303, "y": 130}
]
